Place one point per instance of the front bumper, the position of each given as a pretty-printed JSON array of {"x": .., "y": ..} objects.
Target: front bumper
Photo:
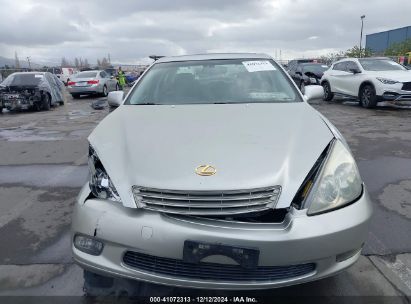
[
  {"x": 392, "y": 93},
  {"x": 299, "y": 239},
  {"x": 17, "y": 104}
]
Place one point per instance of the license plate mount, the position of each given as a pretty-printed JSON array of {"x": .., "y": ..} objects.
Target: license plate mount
[{"x": 195, "y": 251}]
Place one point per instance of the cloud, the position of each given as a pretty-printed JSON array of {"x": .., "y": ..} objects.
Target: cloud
[{"x": 131, "y": 30}]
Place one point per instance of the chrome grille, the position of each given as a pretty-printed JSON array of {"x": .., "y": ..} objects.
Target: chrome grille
[
  {"x": 207, "y": 202},
  {"x": 213, "y": 271}
]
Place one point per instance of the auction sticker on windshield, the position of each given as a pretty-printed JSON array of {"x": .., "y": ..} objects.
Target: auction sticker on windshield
[{"x": 258, "y": 66}]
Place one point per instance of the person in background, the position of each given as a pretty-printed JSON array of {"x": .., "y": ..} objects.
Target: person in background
[{"x": 121, "y": 77}]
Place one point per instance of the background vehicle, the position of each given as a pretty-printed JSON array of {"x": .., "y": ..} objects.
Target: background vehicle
[
  {"x": 307, "y": 74},
  {"x": 30, "y": 90},
  {"x": 131, "y": 77},
  {"x": 370, "y": 79},
  {"x": 95, "y": 82},
  {"x": 67, "y": 74},
  {"x": 292, "y": 65}
]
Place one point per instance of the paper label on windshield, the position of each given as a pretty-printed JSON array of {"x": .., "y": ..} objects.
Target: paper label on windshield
[
  {"x": 258, "y": 66},
  {"x": 38, "y": 76}
]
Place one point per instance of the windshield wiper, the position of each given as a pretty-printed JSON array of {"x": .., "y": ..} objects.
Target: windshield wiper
[{"x": 146, "y": 104}]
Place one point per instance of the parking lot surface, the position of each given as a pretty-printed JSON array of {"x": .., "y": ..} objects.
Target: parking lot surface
[{"x": 43, "y": 163}]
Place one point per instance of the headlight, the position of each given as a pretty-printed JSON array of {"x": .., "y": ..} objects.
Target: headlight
[
  {"x": 313, "y": 80},
  {"x": 387, "y": 81},
  {"x": 100, "y": 183},
  {"x": 338, "y": 182}
]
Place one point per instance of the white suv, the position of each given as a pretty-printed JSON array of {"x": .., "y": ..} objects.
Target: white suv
[{"x": 370, "y": 79}]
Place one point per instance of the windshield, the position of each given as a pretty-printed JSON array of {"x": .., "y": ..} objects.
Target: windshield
[
  {"x": 86, "y": 75},
  {"x": 380, "y": 65},
  {"x": 315, "y": 68},
  {"x": 18, "y": 80},
  {"x": 214, "y": 81}
]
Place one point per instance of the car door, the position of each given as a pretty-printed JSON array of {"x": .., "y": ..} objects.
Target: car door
[
  {"x": 338, "y": 76},
  {"x": 353, "y": 81},
  {"x": 106, "y": 79},
  {"x": 112, "y": 81}
]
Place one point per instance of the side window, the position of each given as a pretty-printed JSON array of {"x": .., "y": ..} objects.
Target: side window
[
  {"x": 103, "y": 74},
  {"x": 351, "y": 65},
  {"x": 340, "y": 66}
]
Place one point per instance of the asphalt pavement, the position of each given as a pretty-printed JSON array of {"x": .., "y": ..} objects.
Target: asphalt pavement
[{"x": 43, "y": 163}]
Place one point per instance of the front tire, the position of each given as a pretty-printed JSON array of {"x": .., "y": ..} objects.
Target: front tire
[
  {"x": 368, "y": 96},
  {"x": 328, "y": 95}
]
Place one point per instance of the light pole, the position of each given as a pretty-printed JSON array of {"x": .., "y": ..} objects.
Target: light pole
[{"x": 362, "y": 27}]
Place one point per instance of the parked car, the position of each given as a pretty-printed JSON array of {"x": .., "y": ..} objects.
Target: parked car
[
  {"x": 218, "y": 181},
  {"x": 30, "y": 90},
  {"x": 95, "y": 82},
  {"x": 370, "y": 79},
  {"x": 131, "y": 77},
  {"x": 67, "y": 74},
  {"x": 307, "y": 74},
  {"x": 292, "y": 64}
]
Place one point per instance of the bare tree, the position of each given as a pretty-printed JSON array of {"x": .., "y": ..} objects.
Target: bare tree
[
  {"x": 98, "y": 63},
  {"x": 76, "y": 62},
  {"x": 16, "y": 61},
  {"x": 104, "y": 63},
  {"x": 86, "y": 64},
  {"x": 64, "y": 62}
]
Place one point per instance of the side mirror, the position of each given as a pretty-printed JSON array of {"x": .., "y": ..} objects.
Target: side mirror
[
  {"x": 355, "y": 71},
  {"x": 313, "y": 92},
  {"x": 115, "y": 99},
  {"x": 111, "y": 77}
]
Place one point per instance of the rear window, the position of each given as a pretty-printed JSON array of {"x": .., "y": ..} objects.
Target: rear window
[
  {"x": 28, "y": 79},
  {"x": 86, "y": 75},
  {"x": 214, "y": 81}
]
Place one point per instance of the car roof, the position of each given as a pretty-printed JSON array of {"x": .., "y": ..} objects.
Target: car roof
[
  {"x": 366, "y": 58},
  {"x": 311, "y": 63},
  {"x": 20, "y": 73},
  {"x": 213, "y": 56}
]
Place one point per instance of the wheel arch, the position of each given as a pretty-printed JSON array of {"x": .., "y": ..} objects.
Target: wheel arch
[{"x": 363, "y": 84}]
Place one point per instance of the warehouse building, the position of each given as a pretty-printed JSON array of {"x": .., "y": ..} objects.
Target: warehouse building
[{"x": 379, "y": 42}]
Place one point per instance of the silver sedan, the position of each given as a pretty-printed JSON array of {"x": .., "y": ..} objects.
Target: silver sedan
[
  {"x": 214, "y": 172},
  {"x": 94, "y": 82}
]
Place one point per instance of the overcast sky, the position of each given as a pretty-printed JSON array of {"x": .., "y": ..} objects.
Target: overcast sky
[{"x": 130, "y": 30}]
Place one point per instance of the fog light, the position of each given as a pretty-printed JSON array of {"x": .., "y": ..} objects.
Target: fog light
[
  {"x": 346, "y": 255},
  {"x": 88, "y": 245}
]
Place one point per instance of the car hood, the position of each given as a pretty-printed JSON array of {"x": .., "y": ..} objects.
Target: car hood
[
  {"x": 401, "y": 76},
  {"x": 250, "y": 145}
]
